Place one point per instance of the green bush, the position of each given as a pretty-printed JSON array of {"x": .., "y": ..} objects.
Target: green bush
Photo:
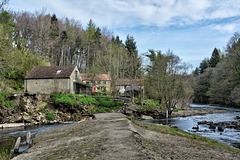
[
  {"x": 178, "y": 109},
  {"x": 9, "y": 104},
  {"x": 50, "y": 116},
  {"x": 237, "y": 104},
  {"x": 74, "y": 99},
  {"x": 119, "y": 103},
  {"x": 3, "y": 96},
  {"x": 66, "y": 100},
  {"x": 101, "y": 109},
  {"x": 87, "y": 100},
  {"x": 109, "y": 103}
]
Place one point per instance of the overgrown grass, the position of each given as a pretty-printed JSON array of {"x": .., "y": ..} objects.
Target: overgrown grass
[
  {"x": 179, "y": 132},
  {"x": 104, "y": 96},
  {"x": 149, "y": 104},
  {"x": 101, "y": 109},
  {"x": 109, "y": 103},
  {"x": 50, "y": 116},
  {"x": 6, "y": 149},
  {"x": 5, "y": 154},
  {"x": 178, "y": 109},
  {"x": 3, "y": 101},
  {"x": 74, "y": 99}
]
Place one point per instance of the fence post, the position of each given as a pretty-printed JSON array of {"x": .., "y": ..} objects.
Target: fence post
[
  {"x": 28, "y": 137},
  {"x": 17, "y": 145}
]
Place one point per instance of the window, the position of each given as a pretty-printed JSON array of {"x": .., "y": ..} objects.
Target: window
[
  {"x": 104, "y": 82},
  {"x": 59, "y": 71},
  {"x": 76, "y": 73}
]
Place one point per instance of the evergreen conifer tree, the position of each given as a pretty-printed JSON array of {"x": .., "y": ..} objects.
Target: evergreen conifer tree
[{"x": 215, "y": 58}]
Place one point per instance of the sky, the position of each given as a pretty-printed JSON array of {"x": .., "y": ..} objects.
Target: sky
[{"x": 189, "y": 28}]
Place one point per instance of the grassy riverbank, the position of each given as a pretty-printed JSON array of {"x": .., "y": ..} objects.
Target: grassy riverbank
[{"x": 178, "y": 132}]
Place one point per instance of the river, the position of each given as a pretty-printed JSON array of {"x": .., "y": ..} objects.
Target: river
[
  {"x": 8, "y": 136},
  {"x": 229, "y": 136}
]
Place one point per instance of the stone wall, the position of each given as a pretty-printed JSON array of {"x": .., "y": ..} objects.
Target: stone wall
[
  {"x": 33, "y": 108},
  {"x": 48, "y": 86}
]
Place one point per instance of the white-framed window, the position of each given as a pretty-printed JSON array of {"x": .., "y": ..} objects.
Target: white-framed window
[{"x": 59, "y": 71}]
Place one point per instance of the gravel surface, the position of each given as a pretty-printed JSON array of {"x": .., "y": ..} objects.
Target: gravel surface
[{"x": 112, "y": 136}]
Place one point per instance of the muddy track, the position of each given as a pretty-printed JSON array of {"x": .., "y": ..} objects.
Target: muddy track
[{"x": 112, "y": 136}]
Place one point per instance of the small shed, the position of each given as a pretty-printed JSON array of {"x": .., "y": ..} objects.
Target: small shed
[
  {"x": 54, "y": 79},
  {"x": 132, "y": 91}
]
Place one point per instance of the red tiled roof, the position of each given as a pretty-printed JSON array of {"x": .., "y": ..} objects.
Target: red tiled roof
[
  {"x": 101, "y": 77},
  {"x": 50, "y": 72}
]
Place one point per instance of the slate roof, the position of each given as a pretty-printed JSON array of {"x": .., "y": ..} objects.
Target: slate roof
[
  {"x": 129, "y": 82},
  {"x": 132, "y": 88},
  {"x": 50, "y": 72},
  {"x": 100, "y": 77}
]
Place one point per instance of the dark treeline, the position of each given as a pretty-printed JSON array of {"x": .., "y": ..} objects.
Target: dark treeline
[
  {"x": 217, "y": 80},
  {"x": 35, "y": 39}
]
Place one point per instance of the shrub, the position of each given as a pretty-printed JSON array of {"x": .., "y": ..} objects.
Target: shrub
[
  {"x": 74, "y": 99},
  {"x": 50, "y": 116},
  {"x": 3, "y": 96},
  {"x": 87, "y": 100},
  {"x": 237, "y": 104},
  {"x": 9, "y": 104},
  {"x": 101, "y": 109},
  {"x": 106, "y": 103},
  {"x": 66, "y": 100},
  {"x": 119, "y": 103},
  {"x": 109, "y": 103}
]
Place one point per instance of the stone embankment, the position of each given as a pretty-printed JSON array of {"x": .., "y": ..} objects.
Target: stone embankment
[
  {"x": 112, "y": 136},
  {"x": 33, "y": 108}
]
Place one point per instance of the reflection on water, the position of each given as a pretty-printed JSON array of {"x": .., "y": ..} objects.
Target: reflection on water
[
  {"x": 8, "y": 136},
  {"x": 229, "y": 136}
]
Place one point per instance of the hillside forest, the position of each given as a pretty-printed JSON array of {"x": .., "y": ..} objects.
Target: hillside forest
[{"x": 40, "y": 39}]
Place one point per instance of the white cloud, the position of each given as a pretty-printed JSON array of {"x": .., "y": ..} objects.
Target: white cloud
[
  {"x": 231, "y": 28},
  {"x": 125, "y": 13}
]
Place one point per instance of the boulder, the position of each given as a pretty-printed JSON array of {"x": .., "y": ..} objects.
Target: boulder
[
  {"x": 195, "y": 127},
  {"x": 209, "y": 122},
  {"x": 202, "y": 122},
  {"x": 212, "y": 126},
  {"x": 220, "y": 129},
  {"x": 144, "y": 117},
  {"x": 237, "y": 117}
]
